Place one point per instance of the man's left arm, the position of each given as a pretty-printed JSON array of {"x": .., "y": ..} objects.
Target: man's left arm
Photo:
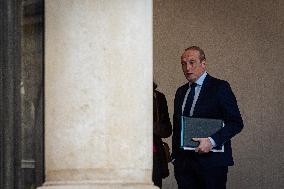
[{"x": 230, "y": 114}]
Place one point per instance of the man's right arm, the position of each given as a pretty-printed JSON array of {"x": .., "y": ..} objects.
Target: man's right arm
[{"x": 176, "y": 128}]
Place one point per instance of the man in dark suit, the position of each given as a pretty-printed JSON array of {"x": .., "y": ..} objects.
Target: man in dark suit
[{"x": 204, "y": 97}]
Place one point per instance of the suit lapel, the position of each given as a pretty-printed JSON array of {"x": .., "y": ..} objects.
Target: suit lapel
[{"x": 203, "y": 94}]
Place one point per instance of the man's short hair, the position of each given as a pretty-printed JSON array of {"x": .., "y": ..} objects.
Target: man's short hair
[{"x": 201, "y": 52}]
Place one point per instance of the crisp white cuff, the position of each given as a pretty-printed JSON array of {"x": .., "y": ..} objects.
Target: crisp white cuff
[{"x": 212, "y": 142}]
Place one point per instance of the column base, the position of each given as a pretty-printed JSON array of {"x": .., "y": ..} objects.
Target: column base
[{"x": 101, "y": 186}]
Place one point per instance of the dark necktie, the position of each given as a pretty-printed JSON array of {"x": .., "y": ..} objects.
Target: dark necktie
[{"x": 189, "y": 100}]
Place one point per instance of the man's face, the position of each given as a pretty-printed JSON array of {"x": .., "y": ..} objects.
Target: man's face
[{"x": 192, "y": 67}]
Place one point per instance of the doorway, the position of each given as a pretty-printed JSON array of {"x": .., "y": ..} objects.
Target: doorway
[{"x": 21, "y": 94}]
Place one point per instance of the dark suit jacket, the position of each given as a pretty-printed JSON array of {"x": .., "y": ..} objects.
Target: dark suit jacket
[{"x": 217, "y": 101}]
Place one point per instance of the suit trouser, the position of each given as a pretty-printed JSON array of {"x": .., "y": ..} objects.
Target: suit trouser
[{"x": 190, "y": 174}]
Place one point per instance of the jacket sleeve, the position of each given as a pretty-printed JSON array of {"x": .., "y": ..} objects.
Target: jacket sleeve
[
  {"x": 176, "y": 129},
  {"x": 163, "y": 128},
  {"x": 230, "y": 113}
]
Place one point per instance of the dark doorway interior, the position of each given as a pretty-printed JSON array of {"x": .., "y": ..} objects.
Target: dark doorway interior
[{"x": 21, "y": 94}]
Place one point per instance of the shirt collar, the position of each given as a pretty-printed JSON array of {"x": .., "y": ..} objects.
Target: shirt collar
[{"x": 200, "y": 80}]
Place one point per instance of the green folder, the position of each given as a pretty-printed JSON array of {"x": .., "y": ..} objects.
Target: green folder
[{"x": 198, "y": 128}]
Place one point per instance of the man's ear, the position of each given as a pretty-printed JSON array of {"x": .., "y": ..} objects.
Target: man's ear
[{"x": 203, "y": 63}]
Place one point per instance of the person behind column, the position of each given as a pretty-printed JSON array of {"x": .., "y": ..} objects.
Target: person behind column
[
  {"x": 212, "y": 98},
  {"x": 162, "y": 128}
]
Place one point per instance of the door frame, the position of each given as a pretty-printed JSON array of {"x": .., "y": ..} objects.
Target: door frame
[{"x": 10, "y": 99}]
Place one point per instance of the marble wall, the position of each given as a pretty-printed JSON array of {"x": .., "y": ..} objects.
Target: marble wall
[{"x": 98, "y": 94}]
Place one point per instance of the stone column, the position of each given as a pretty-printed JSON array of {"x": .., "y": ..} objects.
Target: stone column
[{"x": 98, "y": 94}]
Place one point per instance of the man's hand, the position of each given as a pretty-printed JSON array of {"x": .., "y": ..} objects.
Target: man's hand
[{"x": 204, "y": 145}]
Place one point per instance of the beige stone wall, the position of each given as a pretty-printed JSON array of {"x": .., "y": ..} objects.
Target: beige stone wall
[{"x": 243, "y": 41}]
